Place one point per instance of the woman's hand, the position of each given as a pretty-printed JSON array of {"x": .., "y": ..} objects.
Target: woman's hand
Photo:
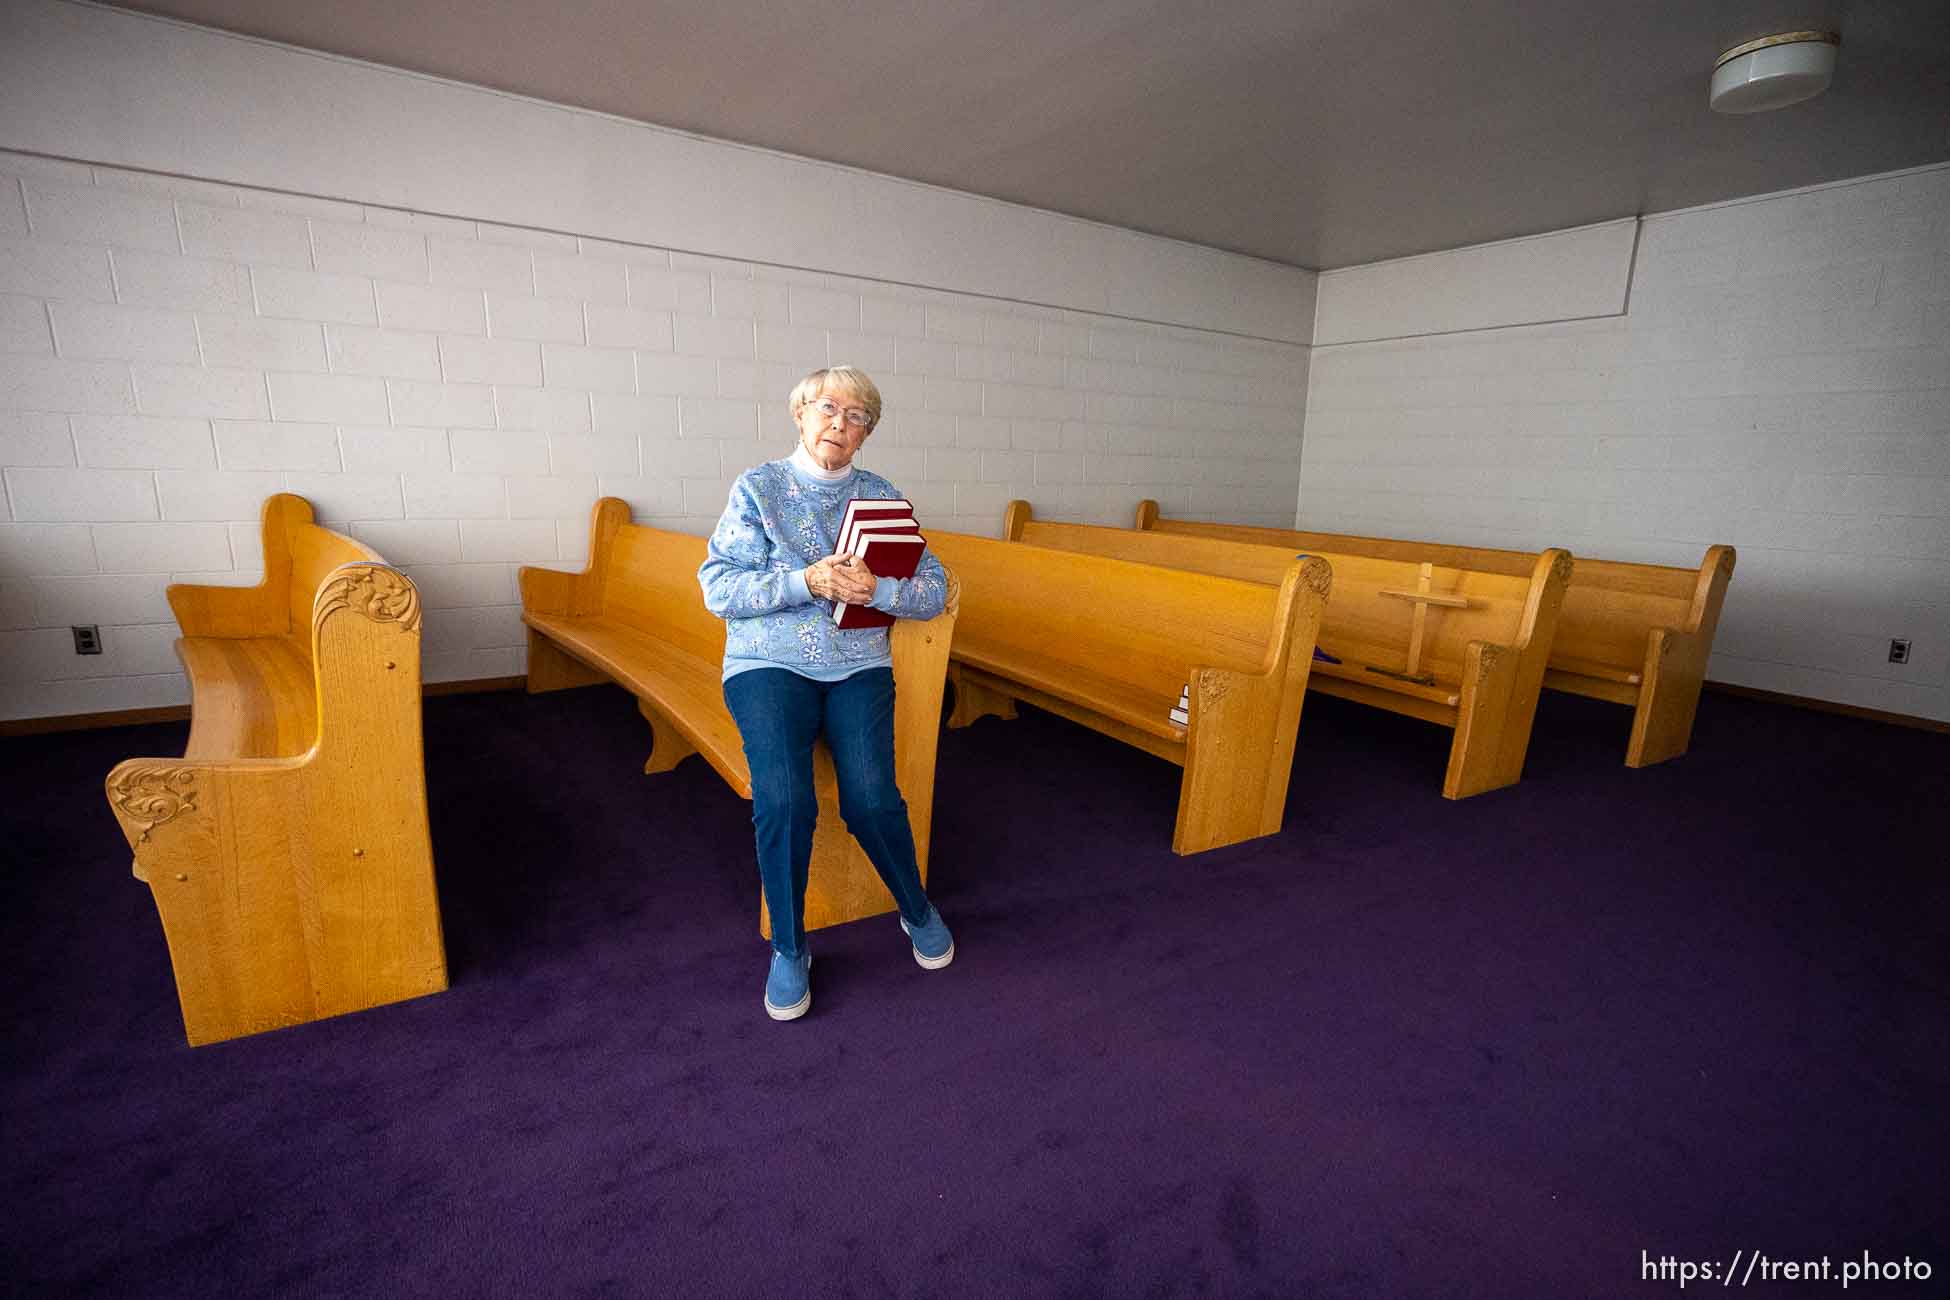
[{"x": 842, "y": 578}]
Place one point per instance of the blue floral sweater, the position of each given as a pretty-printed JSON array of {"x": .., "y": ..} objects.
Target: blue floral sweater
[{"x": 780, "y": 520}]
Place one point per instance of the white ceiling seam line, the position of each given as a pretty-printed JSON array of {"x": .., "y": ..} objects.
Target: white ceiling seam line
[
  {"x": 678, "y": 133},
  {"x": 756, "y": 263}
]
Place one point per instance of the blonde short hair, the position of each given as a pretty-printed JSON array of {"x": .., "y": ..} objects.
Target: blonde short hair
[{"x": 850, "y": 381}]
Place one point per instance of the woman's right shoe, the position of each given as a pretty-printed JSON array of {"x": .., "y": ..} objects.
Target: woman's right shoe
[
  {"x": 934, "y": 947},
  {"x": 788, "y": 986}
]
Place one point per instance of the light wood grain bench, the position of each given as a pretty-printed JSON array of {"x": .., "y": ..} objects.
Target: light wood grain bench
[
  {"x": 1635, "y": 634},
  {"x": 287, "y": 848},
  {"x": 1457, "y": 647},
  {"x": 635, "y": 616},
  {"x": 1111, "y": 644}
]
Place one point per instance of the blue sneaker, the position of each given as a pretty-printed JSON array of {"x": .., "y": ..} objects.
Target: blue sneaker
[
  {"x": 788, "y": 986},
  {"x": 934, "y": 947}
]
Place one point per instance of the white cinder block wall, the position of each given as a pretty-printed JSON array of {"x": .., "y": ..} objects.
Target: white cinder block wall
[
  {"x": 458, "y": 392},
  {"x": 1780, "y": 381}
]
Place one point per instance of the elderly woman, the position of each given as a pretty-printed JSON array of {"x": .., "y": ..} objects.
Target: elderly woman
[{"x": 791, "y": 676}]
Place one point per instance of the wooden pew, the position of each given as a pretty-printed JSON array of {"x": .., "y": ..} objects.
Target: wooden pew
[
  {"x": 1457, "y": 647},
  {"x": 635, "y": 616},
  {"x": 287, "y": 848},
  {"x": 1111, "y": 644},
  {"x": 1634, "y": 634}
]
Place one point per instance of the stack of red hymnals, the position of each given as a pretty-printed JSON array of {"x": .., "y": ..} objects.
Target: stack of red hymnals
[{"x": 885, "y": 538}]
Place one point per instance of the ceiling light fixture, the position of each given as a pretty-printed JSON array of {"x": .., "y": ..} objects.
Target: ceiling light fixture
[{"x": 1773, "y": 72}]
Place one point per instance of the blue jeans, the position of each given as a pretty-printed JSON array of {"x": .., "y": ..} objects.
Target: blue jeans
[{"x": 780, "y": 714}]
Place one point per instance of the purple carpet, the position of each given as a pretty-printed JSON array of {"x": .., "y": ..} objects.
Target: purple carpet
[{"x": 1515, "y": 1046}]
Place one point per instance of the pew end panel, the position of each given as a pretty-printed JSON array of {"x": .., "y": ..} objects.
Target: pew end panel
[
  {"x": 1500, "y": 688},
  {"x": 851, "y": 888},
  {"x": 366, "y": 810},
  {"x": 1243, "y": 726},
  {"x": 921, "y": 649},
  {"x": 211, "y": 841},
  {"x": 1675, "y": 668},
  {"x": 296, "y": 887}
]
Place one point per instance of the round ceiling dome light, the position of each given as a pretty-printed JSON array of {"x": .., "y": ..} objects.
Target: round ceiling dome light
[{"x": 1773, "y": 72}]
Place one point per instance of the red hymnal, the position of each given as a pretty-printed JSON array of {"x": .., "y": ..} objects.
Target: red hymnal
[
  {"x": 863, "y": 511},
  {"x": 887, "y": 554},
  {"x": 850, "y": 538}
]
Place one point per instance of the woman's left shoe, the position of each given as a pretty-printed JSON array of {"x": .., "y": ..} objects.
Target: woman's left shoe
[
  {"x": 788, "y": 986},
  {"x": 934, "y": 947}
]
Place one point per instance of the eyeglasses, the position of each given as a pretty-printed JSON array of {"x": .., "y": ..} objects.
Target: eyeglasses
[{"x": 828, "y": 408}]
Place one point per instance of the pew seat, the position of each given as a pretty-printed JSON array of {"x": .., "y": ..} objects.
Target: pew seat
[
  {"x": 253, "y": 696},
  {"x": 287, "y": 848},
  {"x": 635, "y": 616},
  {"x": 677, "y": 691},
  {"x": 1634, "y": 634},
  {"x": 1111, "y": 645}
]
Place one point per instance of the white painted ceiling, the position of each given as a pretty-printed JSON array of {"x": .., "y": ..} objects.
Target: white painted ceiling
[{"x": 1320, "y": 133}]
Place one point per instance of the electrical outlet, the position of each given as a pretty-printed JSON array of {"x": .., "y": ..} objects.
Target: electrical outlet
[
  {"x": 87, "y": 639},
  {"x": 1899, "y": 650}
]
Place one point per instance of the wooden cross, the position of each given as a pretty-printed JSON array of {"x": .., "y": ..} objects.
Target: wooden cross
[{"x": 1421, "y": 598}]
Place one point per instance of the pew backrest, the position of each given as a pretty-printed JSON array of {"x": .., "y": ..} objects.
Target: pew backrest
[
  {"x": 1359, "y": 622},
  {"x": 1112, "y": 643},
  {"x": 299, "y": 556},
  {"x": 1460, "y": 647},
  {"x": 1127, "y": 620},
  {"x": 1611, "y": 605},
  {"x": 1483, "y": 559},
  {"x": 649, "y": 581},
  {"x": 1608, "y": 607},
  {"x": 1365, "y": 622},
  {"x": 1634, "y": 634}
]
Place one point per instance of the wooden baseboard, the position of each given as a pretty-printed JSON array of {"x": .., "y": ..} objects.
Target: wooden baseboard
[
  {"x": 93, "y": 721},
  {"x": 474, "y": 686},
  {"x": 181, "y": 712},
  {"x": 1829, "y": 706}
]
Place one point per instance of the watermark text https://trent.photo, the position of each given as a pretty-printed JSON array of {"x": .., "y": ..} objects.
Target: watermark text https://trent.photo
[{"x": 1749, "y": 1266}]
